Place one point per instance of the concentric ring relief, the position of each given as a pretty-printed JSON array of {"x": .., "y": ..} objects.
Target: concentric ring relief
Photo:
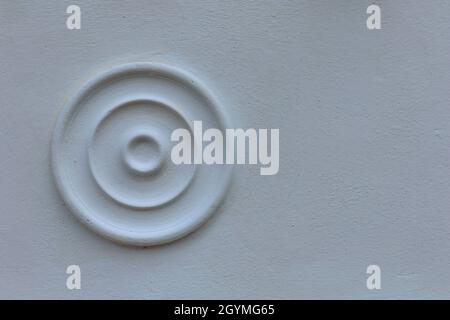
[{"x": 111, "y": 154}]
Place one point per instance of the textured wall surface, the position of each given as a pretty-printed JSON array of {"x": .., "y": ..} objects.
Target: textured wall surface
[{"x": 364, "y": 119}]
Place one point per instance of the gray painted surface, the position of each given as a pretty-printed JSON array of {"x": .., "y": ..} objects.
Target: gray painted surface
[{"x": 364, "y": 123}]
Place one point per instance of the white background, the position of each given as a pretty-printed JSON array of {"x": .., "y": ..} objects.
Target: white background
[{"x": 364, "y": 119}]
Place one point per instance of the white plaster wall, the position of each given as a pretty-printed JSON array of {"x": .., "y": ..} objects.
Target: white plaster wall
[{"x": 364, "y": 121}]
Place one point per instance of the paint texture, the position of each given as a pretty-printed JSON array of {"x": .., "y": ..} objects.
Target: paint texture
[{"x": 364, "y": 123}]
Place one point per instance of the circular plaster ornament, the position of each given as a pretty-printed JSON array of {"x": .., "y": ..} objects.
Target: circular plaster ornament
[{"x": 111, "y": 154}]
